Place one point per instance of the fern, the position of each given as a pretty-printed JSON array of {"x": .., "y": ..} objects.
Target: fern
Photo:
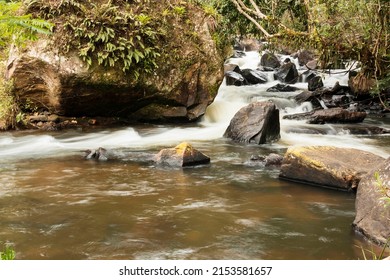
[
  {"x": 109, "y": 35},
  {"x": 19, "y": 27}
]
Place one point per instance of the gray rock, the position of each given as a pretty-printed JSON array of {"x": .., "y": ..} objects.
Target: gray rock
[
  {"x": 98, "y": 154},
  {"x": 269, "y": 61},
  {"x": 254, "y": 77},
  {"x": 287, "y": 73},
  {"x": 315, "y": 83},
  {"x": 234, "y": 79},
  {"x": 373, "y": 204},
  {"x": 257, "y": 122}
]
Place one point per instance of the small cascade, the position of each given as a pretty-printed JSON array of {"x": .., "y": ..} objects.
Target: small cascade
[{"x": 230, "y": 99}]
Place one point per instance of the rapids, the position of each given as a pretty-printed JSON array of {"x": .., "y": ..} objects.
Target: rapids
[{"x": 56, "y": 205}]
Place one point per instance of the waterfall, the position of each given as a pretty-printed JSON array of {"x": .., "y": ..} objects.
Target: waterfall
[
  {"x": 19, "y": 145},
  {"x": 293, "y": 133}
]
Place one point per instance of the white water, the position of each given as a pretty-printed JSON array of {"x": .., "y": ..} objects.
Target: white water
[{"x": 228, "y": 101}]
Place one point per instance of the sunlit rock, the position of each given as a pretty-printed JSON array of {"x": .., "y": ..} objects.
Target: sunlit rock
[
  {"x": 182, "y": 155},
  {"x": 257, "y": 123},
  {"x": 326, "y": 166},
  {"x": 373, "y": 204}
]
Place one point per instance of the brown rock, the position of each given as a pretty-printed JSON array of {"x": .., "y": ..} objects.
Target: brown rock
[
  {"x": 329, "y": 167},
  {"x": 180, "y": 156},
  {"x": 337, "y": 115},
  {"x": 332, "y": 115},
  {"x": 373, "y": 204},
  {"x": 64, "y": 84}
]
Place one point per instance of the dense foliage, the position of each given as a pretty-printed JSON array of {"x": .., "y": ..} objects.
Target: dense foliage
[
  {"x": 110, "y": 33},
  {"x": 337, "y": 30},
  {"x": 16, "y": 28},
  {"x": 19, "y": 28}
]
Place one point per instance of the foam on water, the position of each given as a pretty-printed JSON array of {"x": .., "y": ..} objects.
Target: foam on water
[{"x": 218, "y": 115}]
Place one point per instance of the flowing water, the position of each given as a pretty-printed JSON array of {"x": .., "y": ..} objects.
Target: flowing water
[{"x": 57, "y": 205}]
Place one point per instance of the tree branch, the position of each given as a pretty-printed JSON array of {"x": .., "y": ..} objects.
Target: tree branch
[{"x": 242, "y": 8}]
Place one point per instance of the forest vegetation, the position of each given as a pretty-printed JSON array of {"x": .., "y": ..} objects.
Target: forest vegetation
[{"x": 344, "y": 30}]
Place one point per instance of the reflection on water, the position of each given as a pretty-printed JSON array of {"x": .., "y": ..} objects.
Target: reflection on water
[
  {"x": 69, "y": 208},
  {"x": 56, "y": 205}
]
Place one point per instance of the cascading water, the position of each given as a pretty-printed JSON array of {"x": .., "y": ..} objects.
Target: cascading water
[
  {"x": 231, "y": 98},
  {"x": 228, "y": 101},
  {"x": 56, "y": 205}
]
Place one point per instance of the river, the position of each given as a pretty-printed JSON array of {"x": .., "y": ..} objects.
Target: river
[{"x": 57, "y": 205}]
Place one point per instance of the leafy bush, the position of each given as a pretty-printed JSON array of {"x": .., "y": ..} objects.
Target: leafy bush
[
  {"x": 8, "y": 108},
  {"x": 110, "y": 34},
  {"x": 7, "y": 254},
  {"x": 19, "y": 28}
]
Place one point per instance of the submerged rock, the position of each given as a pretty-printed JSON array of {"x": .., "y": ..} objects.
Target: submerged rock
[
  {"x": 269, "y": 160},
  {"x": 182, "y": 155},
  {"x": 373, "y": 204},
  {"x": 329, "y": 167},
  {"x": 98, "y": 154},
  {"x": 257, "y": 122}
]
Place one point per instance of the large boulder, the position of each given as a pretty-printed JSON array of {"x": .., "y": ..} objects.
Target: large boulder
[
  {"x": 182, "y": 86},
  {"x": 329, "y": 167},
  {"x": 182, "y": 155},
  {"x": 257, "y": 122},
  {"x": 373, "y": 204}
]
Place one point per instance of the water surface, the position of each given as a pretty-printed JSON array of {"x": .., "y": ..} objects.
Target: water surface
[{"x": 57, "y": 205}]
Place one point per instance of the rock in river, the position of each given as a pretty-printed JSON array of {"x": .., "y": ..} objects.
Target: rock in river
[
  {"x": 257, "y": 122},
  {"x": 372, "y": 204},
  {"x": 182, "y": 155},
  {"x": 326, "y": 166},
  {"x": 332, "y": 115}
]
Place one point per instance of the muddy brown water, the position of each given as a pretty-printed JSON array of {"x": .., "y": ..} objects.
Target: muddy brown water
[
  {"x": 70, "y": 208},
  {"x": 54, "y": 204}
]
